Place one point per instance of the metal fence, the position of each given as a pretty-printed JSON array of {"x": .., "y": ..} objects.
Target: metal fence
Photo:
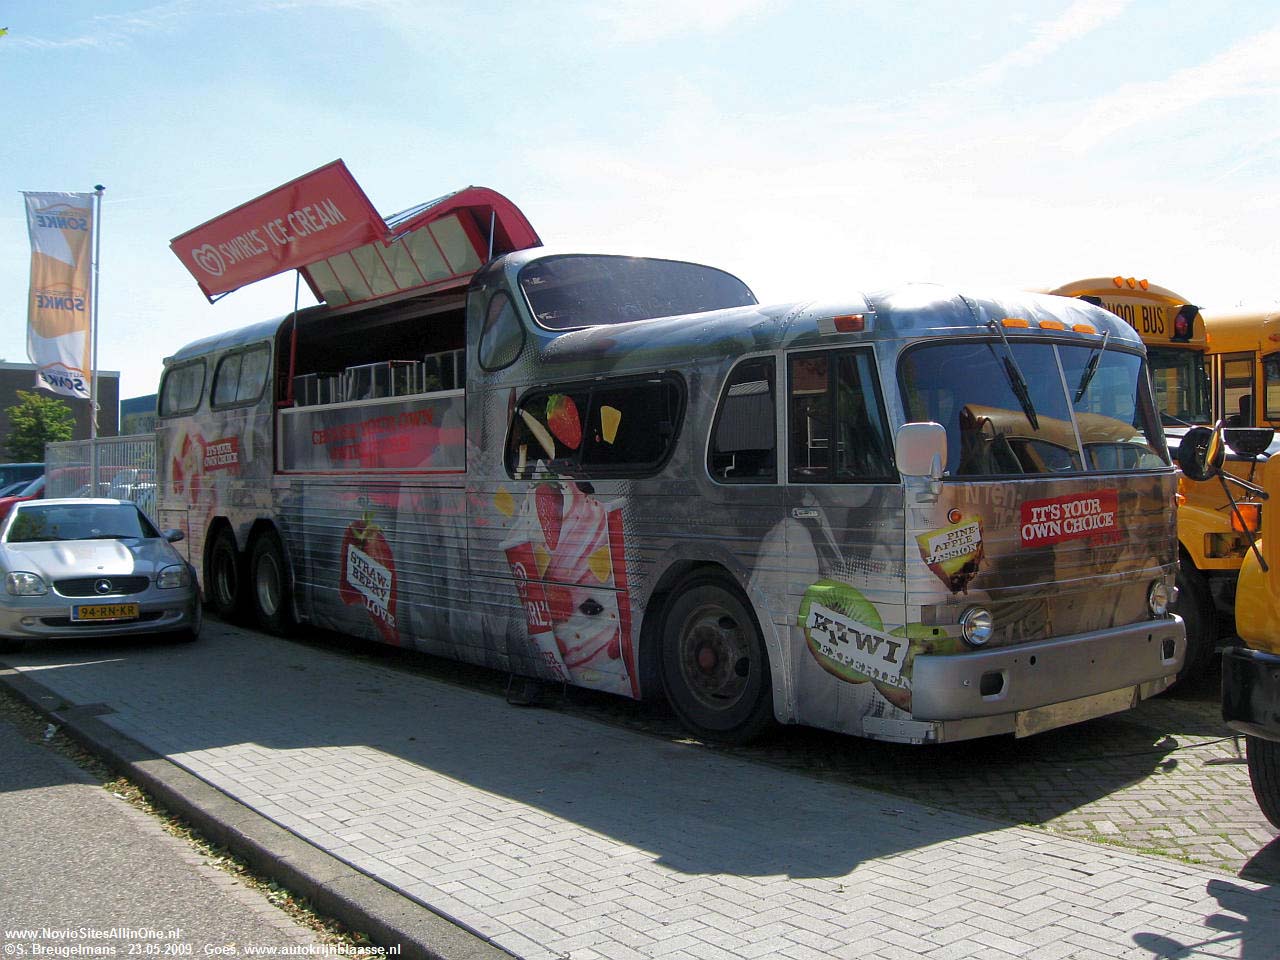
[{"x": 125, "y": 466}]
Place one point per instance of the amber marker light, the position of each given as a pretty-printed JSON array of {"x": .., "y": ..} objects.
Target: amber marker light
[
  {"x": 1083, "y": 328},
  {"x": 1015, "y": 323},
  {"x": 850, "y": 323},
  {"x": 1118, "y": 281},
  {"x": 1052, "y": 325},
  {"x": 1144, "y": 284},
  {"x": 1246, "y": 518}
]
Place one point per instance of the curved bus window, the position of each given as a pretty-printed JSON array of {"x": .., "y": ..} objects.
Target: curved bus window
[
  {"x": 240, "y": 377},
  {"x": 584, "y": 290},
  {"x": 744, "y": 446},
  {"x": 181, "y": 390},
  {"x": 609, "y": 429},
  {"x": 502, "y": 335},
  {"x": 835, "y": 415},
  {"x": 1107, "y": 423}
]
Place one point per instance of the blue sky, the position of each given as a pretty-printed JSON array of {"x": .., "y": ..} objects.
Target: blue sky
[{"x": 812, "y": 148}]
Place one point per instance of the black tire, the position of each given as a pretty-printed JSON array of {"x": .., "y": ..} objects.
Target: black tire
[
  {"x": 224, "y": 583},
  {"x": 270, "y": 595},
  {"x": 12, "y": 644},
  {"x": 1195, "y": 607},
  {"x": 1264, "y": 774},
  {"x": 714, "y": 666}
]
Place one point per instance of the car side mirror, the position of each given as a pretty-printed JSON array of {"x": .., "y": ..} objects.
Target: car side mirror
[
  {"x": 174, "y": 535},
  {"x": 921, "y": 449}
]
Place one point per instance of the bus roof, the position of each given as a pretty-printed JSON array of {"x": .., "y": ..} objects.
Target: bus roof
[{"x": 1244, "y": 330}]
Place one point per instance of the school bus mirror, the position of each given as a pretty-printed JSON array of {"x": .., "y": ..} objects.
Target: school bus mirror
[
  {"x": 1248, "y": 442},
  {"x": 921, "y": 449},
  {"x": 1201, "y": 453}
]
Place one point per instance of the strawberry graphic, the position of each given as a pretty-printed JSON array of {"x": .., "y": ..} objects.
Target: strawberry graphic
[
  {"x": 549, "y": 501},
  {"x": 369, "y": 575},
  {"x": 563, "y": 420}
]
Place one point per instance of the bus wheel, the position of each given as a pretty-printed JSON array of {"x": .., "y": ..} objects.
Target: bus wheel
[
  {"x": 1195, "y": 607},
  {"x": 224, "y": 587},
  {"x": 1264, "y": 774},
  {"x": 269, "y": 585},
  {"x": 714, "y": 667}
]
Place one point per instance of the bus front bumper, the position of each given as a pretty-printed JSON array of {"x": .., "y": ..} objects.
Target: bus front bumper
[
  {"x": 1251, "y": 692},
  {"x": 1033, "y": 687}
]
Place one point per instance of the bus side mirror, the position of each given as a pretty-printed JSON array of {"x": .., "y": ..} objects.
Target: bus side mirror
[
  {"x": 921, "y": 449},
  {"x": 1201, "y": 453}
]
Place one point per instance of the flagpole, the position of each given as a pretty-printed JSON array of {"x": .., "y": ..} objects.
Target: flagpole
[{"x": 93, "y": 319}]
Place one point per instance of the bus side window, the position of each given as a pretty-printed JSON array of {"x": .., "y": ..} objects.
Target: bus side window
[
  {"x": 1271, "y": 376},
  {"x": 181, "y": 390},
  {"x": 743, "y": 446},
  {"x": 502, "y": 335},
  {"x": 836, "y": 419}
]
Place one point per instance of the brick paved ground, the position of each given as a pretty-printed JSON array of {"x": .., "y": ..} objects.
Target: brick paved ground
[{"x": 561, "y": 836}]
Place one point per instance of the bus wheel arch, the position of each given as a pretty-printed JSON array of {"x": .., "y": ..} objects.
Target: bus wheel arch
[
  {"x": 713, "y": 659},
  {"x": 223, "y": 571},
  {"x": 269, "y": 582}
]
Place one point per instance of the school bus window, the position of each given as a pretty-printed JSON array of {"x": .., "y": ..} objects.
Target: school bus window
[
  {"x": 743, "y": 446},
  {"x": 625, "y": 428},
  {"x": 502, "y": 335},
  {"x": 1271, "y": 374},
  {"x": 1237, "y": 389},
  {"x": 836, "y": 420},
  {"x": 180, "y": 393}
]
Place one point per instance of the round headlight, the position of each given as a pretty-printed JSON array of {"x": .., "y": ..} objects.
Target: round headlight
[
  {"x": 976, "y": 625},
  {"x": 1158, "y": 598}
]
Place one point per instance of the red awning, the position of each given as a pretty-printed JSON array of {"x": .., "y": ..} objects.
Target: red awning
[{"x": 323, "y": 224}]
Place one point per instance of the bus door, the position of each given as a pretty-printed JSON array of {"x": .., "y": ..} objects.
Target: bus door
[{"x": 845, "y": 539}]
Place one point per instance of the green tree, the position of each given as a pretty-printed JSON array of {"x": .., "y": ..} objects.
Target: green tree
[{"x": 34, "y": 421}]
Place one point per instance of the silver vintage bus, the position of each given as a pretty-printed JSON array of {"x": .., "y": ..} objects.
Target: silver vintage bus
[{"x": 919, "y": 515}]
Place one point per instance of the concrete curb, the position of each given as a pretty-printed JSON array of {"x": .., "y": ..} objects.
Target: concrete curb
[{"x": 335, "y": 888}]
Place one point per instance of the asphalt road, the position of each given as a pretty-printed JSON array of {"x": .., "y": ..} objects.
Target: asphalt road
[{"x": 83, "y": 874}]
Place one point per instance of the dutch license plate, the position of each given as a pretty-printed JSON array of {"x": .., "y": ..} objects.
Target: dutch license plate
[{"x": 105, "y": 611}]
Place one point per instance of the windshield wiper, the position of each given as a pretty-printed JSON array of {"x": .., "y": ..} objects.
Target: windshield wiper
[
  {"x": 1091, "y": 367},
  {"x": 1016, "y": 380}
]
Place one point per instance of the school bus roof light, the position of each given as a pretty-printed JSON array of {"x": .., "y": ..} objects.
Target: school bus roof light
[
  {"x": 850, "y": 323},
  {"x": 1015, "y": 323},
  {"x": 1144, "y": 284},
  {"x": 1083, "y": 328},
  {"x": 1052, "y": 325}
]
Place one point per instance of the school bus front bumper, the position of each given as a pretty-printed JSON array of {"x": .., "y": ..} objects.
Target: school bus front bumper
[{"x": 1251, "y": 692}]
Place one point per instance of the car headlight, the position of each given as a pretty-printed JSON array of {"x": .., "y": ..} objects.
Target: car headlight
[
  {"x": 1158, "y": 598},
  {"x": 976, "y": 626},
  {"x": 20, "y": 583},
  {"x": 174, "y": 575}
]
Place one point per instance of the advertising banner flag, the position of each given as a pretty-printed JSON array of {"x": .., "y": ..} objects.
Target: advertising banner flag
[{"x": 59, "y": 309}]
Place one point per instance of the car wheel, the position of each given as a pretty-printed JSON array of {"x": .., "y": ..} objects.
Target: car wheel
[
  {"x": 714, "y": 667},
  {"x": 269, "y": 590},
  {"x": 225, "y": 589},
  {"x": 1195, "y": 607},
  {"x": 1264, "y": 774}
]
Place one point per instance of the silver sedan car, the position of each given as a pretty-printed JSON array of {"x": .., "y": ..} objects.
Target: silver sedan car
[{"x": 92, "y": 568}]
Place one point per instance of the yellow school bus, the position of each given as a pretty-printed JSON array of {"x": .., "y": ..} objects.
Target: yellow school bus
[
  {"x": 1211, "y": 547},
  {"x": 1244, "y": 364}
]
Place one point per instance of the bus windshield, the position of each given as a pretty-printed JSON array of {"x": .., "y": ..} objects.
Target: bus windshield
[
  {"x": 1181, "y": 384},
  {"x": 993, "y": 431},
  {"x": 567, "y": 292}
]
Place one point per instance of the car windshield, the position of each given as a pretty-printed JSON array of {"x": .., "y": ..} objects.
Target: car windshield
[
  {"x": 1035, "y": 408},
  {"x": 583, "y": 290},
  {"x": 41, "y": 522}
]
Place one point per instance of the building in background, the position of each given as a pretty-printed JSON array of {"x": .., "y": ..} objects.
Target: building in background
[
  {"x": 22, "y": 376},
  {"x": 138, "y": 415}
]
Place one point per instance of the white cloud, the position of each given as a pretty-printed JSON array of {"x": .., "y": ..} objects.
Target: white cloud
[
  {"x": 1080, "y": 19},
  {"x": 1250, "y": 68},
  {"x": 627, "y": 21}
]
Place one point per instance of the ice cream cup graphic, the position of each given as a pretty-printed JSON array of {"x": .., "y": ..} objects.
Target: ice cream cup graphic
[{"x": 566, "y": 557}]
